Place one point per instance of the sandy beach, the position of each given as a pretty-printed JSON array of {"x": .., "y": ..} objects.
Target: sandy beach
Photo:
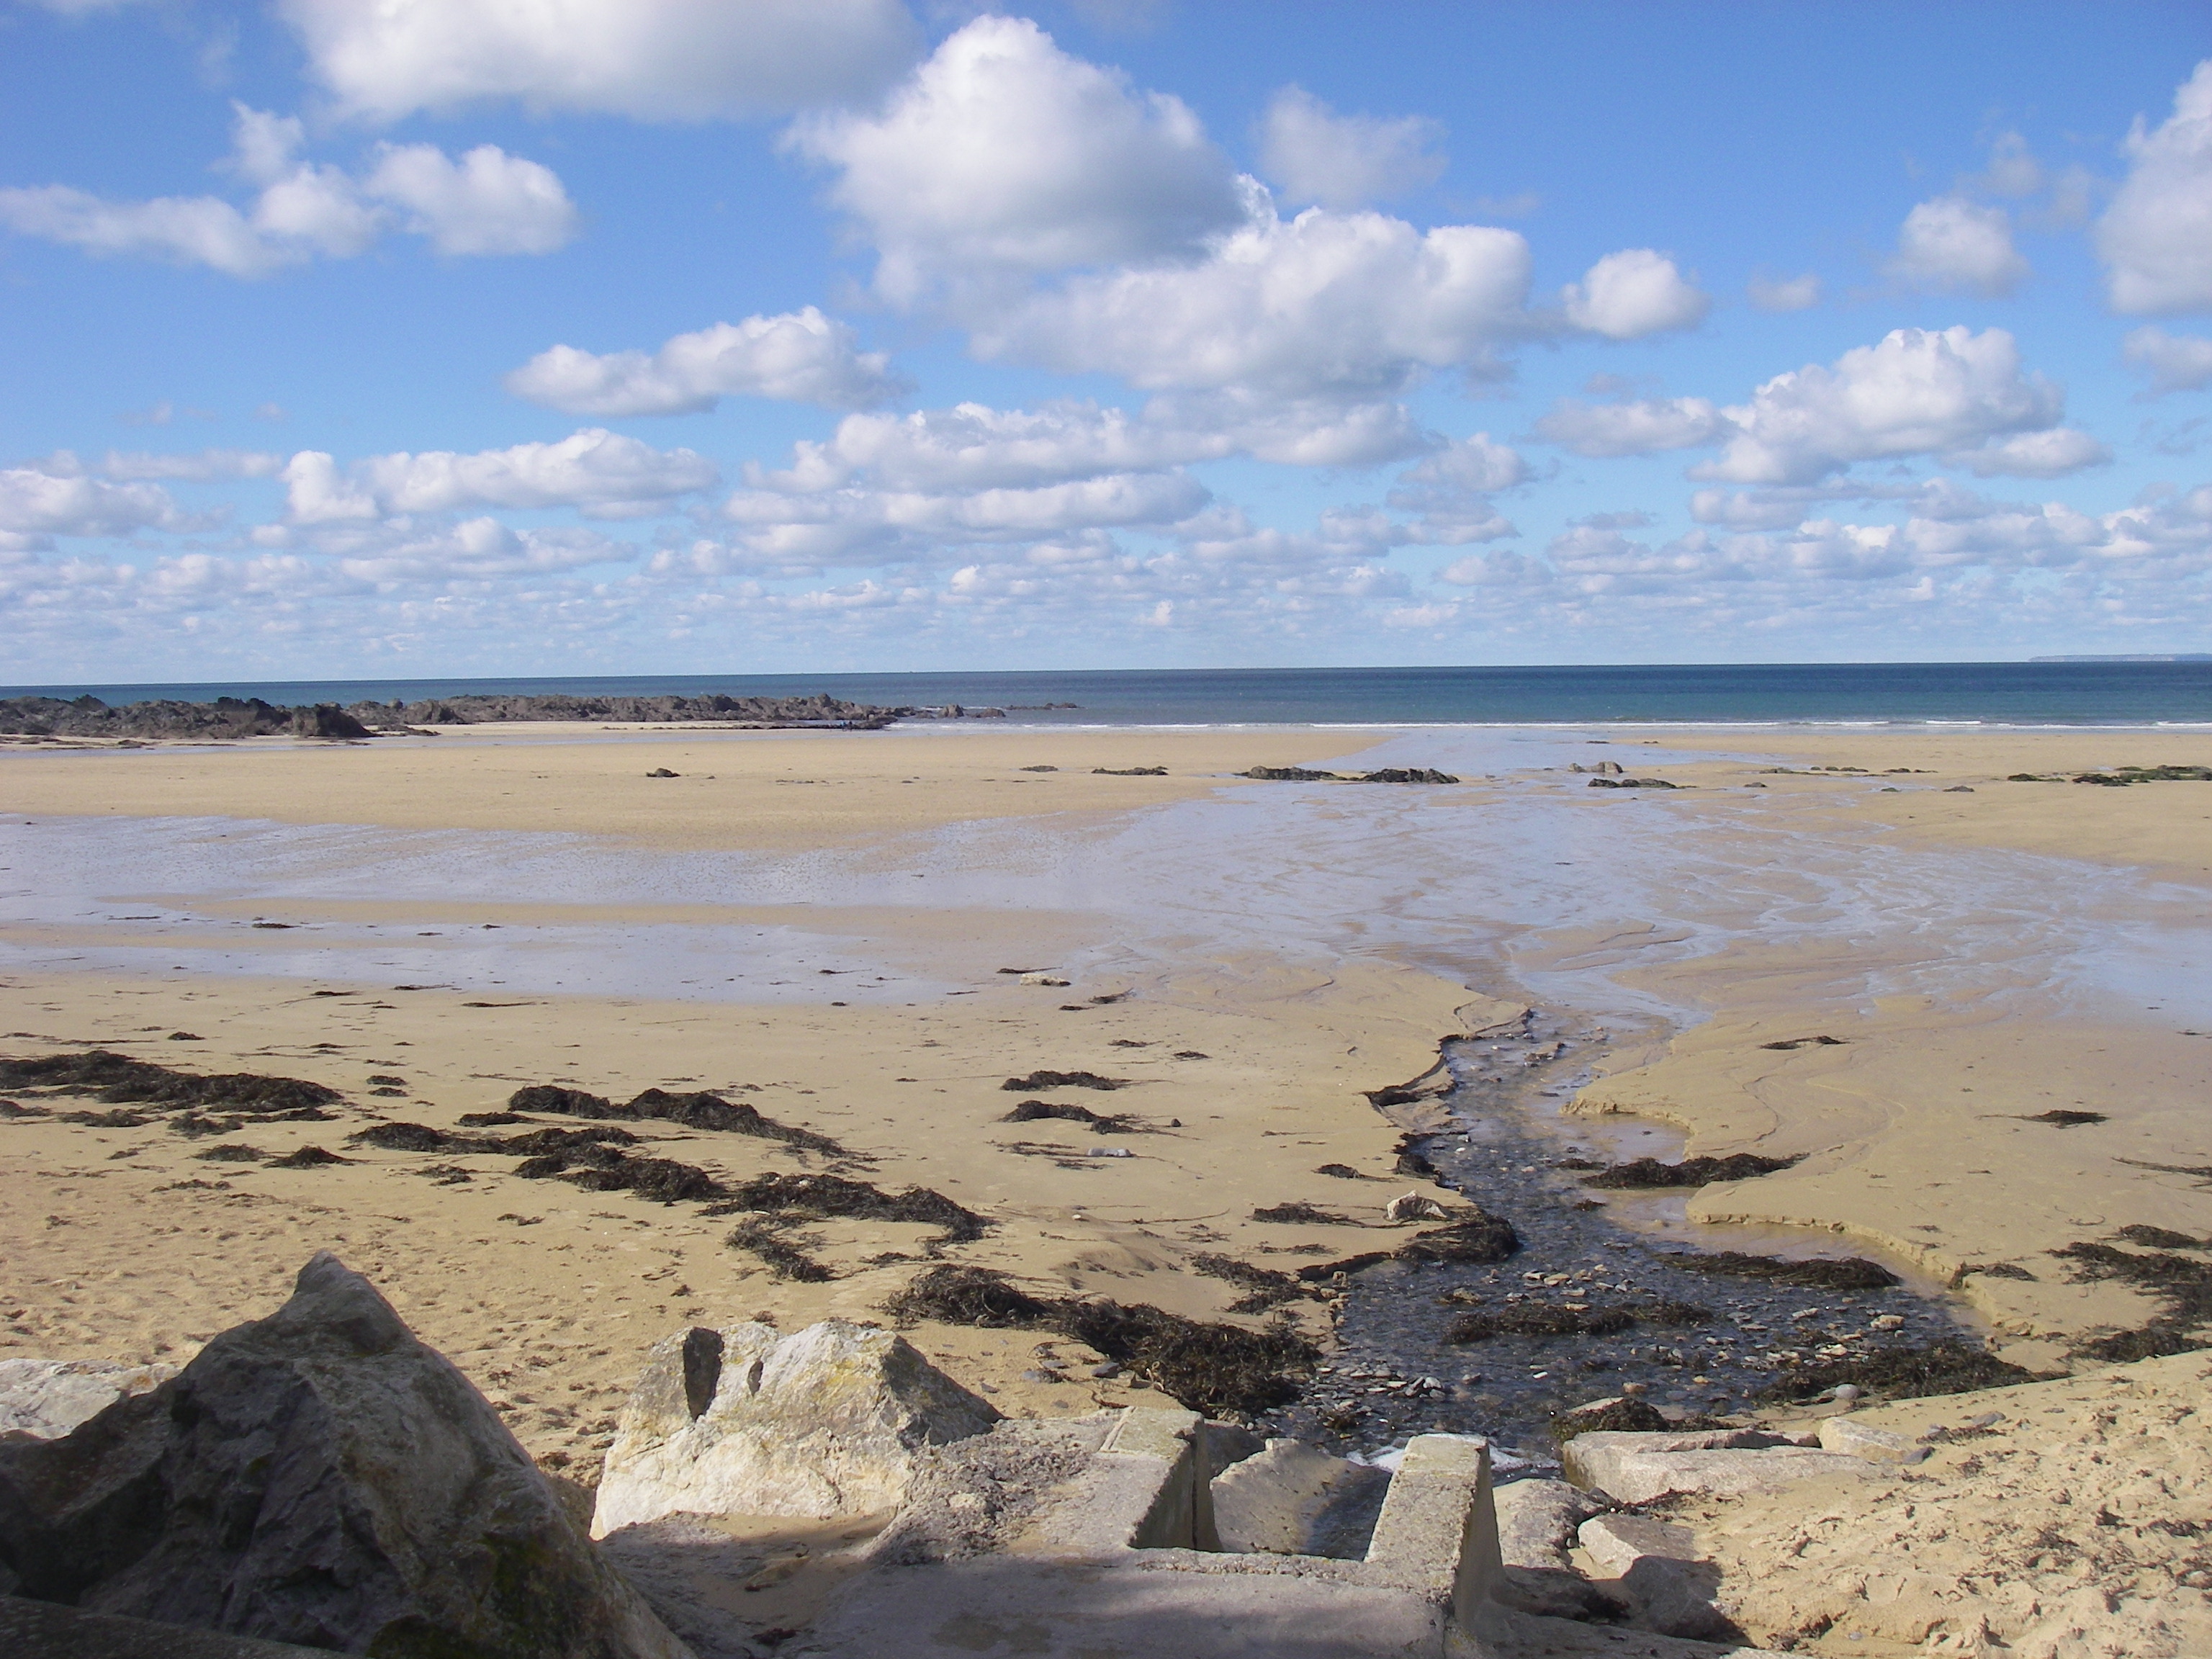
[{"x": 1247, "y": 1019}]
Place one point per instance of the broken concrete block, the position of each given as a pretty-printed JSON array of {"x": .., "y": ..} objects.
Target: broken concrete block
[
  {"x": 821, "y": 1424},
  {"x": 47, "y": 1398},
  {"x": 1853, "y": 1438},
  {"x": 1274, "y": 1502},
  {"x": 1639, "y": 1468},
  {"x": 1657, "y": 1566},
  {"x": 319, "y": 1477}
]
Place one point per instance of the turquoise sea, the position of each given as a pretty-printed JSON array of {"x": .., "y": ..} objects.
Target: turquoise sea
[{"x": 1983, "y": 693}]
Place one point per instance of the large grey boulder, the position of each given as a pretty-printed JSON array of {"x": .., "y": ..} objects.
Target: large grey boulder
[
  {"x": 320, "y": 1476},
  {"x": 47, "y": 1398},
  {"x": 746, "y": 1421}
]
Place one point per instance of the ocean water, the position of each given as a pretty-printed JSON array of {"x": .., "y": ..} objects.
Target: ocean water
[{"x": 1992, "y": 692}]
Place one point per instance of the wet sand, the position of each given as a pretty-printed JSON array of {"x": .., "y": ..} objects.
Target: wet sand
[{"x": 1312, "y": 941}]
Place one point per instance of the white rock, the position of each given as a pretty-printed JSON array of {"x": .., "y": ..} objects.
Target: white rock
[
  {"x": 1042, "y": 979},
  {"x": 1639, "y": 1468},
  {"x": 1853, "y": 1438},
  {"x": 1537, "y": 1519},
  {"x": 1617, "y": 1542},
  {"x": 822, "y": 1423},
  {"x": 1410, "y": 1206},
  {"x": 47, "y": 1398}
]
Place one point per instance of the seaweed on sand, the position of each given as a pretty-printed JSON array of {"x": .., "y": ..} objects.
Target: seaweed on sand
[
  {"x": 1031, "y": 1111},
  {"x": 1948, "y": 1366},
  {"x": 1264, "y": 1287},
  {"x": 980, "y": 1297},
  {"x": 697, "y": 1110},
  {"x": 827, "y": 1196},
  {"x": 1303, "y": 1215},
  {"x": 1559, "y": 1318},
  {"x": 607, "y": 1170},
  {"x": 2159, "y": 1238},
  {"x": 1062, "y": 1080},
  {"x": 2182, "y": 1287},
  {"x": 1645, "y": 1173},
  {"x": 1849, "y": 1274},
  {"x": 307, "y": 1157},
  {"x": 784, "y": 1259},
  {"x": 1209, "y": 1368},
  {"x": 116, "y": 1080}
]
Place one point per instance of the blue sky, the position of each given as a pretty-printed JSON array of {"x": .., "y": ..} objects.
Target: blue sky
[{"x": 512, "y": 337}]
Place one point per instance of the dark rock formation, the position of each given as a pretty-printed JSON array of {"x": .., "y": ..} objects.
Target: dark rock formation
[
  {"x": 1407, "y": 774},
  {"x": 224, "y": 719},
  {"x": 319, "y": 1477}
]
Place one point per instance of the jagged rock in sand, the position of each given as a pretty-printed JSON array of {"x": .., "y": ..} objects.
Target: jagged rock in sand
[
  {"x": 1642, "y": 1468},
  {"x": 321, "y": 1477},
  {"x": 746, "y": 1421},
  {"x": 1414, "y": 1207},
  {"x": 1536, "y": 1524},
  {"x": 1855, "y": 1439},
  {"x": 1659, "y": 1568},
  {"x": 47, "y": 1398}
]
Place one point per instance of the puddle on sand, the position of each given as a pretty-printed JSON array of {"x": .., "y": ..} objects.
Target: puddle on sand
[{"x": 1396, "y": 1373}]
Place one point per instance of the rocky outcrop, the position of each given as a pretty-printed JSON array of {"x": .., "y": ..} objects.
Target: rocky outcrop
[
  {"x": 223, "y": 718},
  {"x": 746, "y": 1421},
  {"x": 1642, "y": 1468},
  {"x": 46, "y": 1398},
  {"x": 319, "y": 1477}
]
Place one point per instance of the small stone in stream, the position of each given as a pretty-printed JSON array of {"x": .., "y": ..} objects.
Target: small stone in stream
[
  {"x": 1303, "y": 1215},
  {"x": 663, "y": 772},
  {"x": 1650, "y": 1173},
  {"x": 1062, "y": 1080},
  {"x": 307, "y": 1157},
  {"x": 1849, "y": 1274},
  {"x": 1341, "y": 1171},
  {"x": 234, "y": 1152}
]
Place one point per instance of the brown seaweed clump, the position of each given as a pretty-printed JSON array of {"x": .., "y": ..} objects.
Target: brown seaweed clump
[
  {"x": 1209, "y": 1368},
  {"x": 1032, "y": 1111},
  {"x": 1062, "y": 1080},
  {"x": 784, "y": 1259},
  {"x": 115, "y": 1080},
  {"x": 698, "y": 1110},
  {"x": 1480, "y": 1237},
  {"x": 1650, "y": 1173},
  {"x": 1623, "y": 1416},
  {"x": 1303, "y": 1215},
  {"x": 827, "y": 1196},
  {"x": 1948, "y": 1366},
  {"x": 1557, "y": 1318},
  {"x": 2182, "y": 1288},
  {"x": 1849, "y": 1274}
]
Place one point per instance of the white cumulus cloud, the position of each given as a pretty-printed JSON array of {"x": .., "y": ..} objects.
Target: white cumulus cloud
[
  {"x": 2177, "y": 362},
  {"x": 35, "y": 504},
  {"x": 1336, "y": 160},
  {"x": 1784, "y": 293},
  {"x": 1633, "y": 292},
  {"x": 593, "y": 470},
  {"x": 1643, "y": 426},
  {"x": 489, "y": 203},
  {"x": 2051, "y": 453},
  {"x": 1952, "y": 244},
  {"x": 1346, "y": 305},
  {"x": 2155, "y": 238},
  {"x": 800, "y": 356},
  {"x": 652, "y": 60},
  {"x": 1003, "y": 154}
]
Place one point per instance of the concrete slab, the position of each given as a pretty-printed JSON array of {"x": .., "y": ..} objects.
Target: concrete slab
[{"x": 1640, "y": 1468}]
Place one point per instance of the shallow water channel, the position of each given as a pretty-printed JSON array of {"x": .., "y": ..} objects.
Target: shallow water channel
[{"x": 1396, "y": 1372}]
